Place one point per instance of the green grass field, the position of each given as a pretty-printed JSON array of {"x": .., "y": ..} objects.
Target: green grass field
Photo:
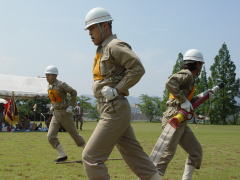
[{"x": 29, "y": 156}]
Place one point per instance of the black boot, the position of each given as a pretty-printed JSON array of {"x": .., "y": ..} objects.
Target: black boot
[{"x": 64, "y": 158}]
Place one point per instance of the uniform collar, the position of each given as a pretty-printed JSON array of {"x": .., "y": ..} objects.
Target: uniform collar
[
  {"x": 54, "y": 83},
  {"x": 106, "y": 41},
  {"x": 187, "y": 71}
]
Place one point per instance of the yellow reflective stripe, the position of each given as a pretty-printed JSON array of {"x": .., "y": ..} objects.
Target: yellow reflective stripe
[
  {"x": 96, "y": 67},
  {"x": 190, "y": 95},
  {"x": 171, "y": 96},
  {"x": 180, "y": 117}
]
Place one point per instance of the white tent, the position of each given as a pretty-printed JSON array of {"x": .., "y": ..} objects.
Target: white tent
[{"x": 21, "y": 86}]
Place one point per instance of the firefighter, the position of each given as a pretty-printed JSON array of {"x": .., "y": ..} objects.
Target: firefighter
[
  {"x": 116, "y": 68},
  {"x": 62, "y": 109},
  {"x": 181, "y": 88},
  {"x": 78, "y": 115}
]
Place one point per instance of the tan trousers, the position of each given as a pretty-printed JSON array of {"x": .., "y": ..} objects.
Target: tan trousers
[
  {"x": 61, "y": 118},
  {"x": 186, "y": 139},
  {"x": 78, "y": 119},
  {"x": 113, "y": 129}
]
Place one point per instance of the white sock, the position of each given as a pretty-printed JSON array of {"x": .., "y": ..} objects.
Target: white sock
[{"x": 188, "y": 171}]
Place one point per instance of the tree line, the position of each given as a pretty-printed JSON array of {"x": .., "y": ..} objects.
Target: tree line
[{"x": 42, "y": 111}]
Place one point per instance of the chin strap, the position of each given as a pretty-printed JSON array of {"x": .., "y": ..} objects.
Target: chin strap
[{"x": 102, "y": 33}]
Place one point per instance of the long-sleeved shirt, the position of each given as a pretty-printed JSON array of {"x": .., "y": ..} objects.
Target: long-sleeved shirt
[
  {"x": 61, "y": 95},
  {"x": 117, "y": 66}
]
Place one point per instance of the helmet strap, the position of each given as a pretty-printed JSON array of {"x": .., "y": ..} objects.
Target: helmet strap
[{"x": 102, "y": 33}]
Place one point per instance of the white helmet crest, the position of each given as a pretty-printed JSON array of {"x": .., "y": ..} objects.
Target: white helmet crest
[
  {"x": 193, "y": 55},
  {"x": 51, "y": 70},
  {"x": 97, "y": 15}
]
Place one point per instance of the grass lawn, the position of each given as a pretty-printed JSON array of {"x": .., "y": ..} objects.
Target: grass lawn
[{"x": 29, "y": 156}]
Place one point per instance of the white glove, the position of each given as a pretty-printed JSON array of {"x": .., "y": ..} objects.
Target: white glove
[
  {"x": 187, "y": 106},
  {"x": 109, "y": 93},
  {"x": 69, "y": 109}
]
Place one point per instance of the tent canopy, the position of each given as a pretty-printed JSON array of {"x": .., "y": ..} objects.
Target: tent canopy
[{"x": 21, "y": 86}]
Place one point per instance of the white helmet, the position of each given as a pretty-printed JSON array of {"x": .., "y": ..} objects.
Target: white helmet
[
  {"x": 51, "y": 70},
  {"x": 193, "y": 55},
  {"x": 97, "y": 15}
]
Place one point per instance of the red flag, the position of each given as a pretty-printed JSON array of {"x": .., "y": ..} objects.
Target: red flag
[{"x": 11, "y": 112}]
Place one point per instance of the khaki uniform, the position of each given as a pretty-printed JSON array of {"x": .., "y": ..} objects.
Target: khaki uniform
[
  {"x": 58, "y": 94},
  {"x": 117, "y": 66},
  {"x": 181, "y": 86}
]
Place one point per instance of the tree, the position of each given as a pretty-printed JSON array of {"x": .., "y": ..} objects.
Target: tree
[
  {"x": 176, "y": 68},
  {"x": 150, "y": 106},
  {"x": 202, "y": 82},
  {"x": 25, "y": 108},
  {"x": 83, "y": 100},
  {"x": 224, "y": 105},
  {"x": 201, "y": 86},
  {"x": 178, "y": 65},
  {"x": 93, "y": 112},
  {"x": 89, "y": 108}
]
